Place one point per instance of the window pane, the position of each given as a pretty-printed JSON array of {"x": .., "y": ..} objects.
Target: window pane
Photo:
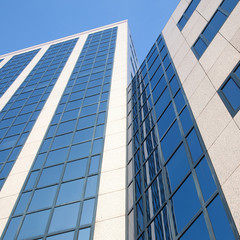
[
  {"x": 34, "y": 224},
  {"x": 80, "y": 151},
  {"x": 219, "y": 219},
  {"x": 232, "y": 93},
  {"x": 174, "y": 85},
  {"x": 185, "y": 203},
  {"x": 12, "y": 228},
  {"x": 194, "y": 145},
  {"x": 166, "y": 120},
  {"x": 22, "y": 203},
  {"x": 87, "y": 212},
  {"x": 200, "y": 47},
  {"x": 83, "y": 135},
  {"x": 179, "y": 101},
  {"x": 186, "y": 120},
  {"x": 162, "y": 103},
  {"x": 43, "y": 198},
  {"x": 237, "y": 71},
  {"x": 64, "y": 217},
  {"x": 91, "y": 186},
  {"x": 198, "y": 231},
  {"x": 170, "y": 140},
  {"x": 70, "y": 191},
  {"x": 84, "y": 234},
  {"x": 177, "y": 167},
  {"x": 214, "y": 25},
  {"x": 57, "y": 156},
  {"x": 50, "y": 176},
  {"x": 229, "y": 5},
  {"x": 205, "y": 179},
  {"x": 75, "y": 169}
]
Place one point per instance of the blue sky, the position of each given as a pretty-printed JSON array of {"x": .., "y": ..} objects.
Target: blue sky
[{"x": 25, "y": 23}]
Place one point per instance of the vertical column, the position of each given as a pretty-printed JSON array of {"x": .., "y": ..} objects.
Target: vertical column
[{"x": 110, "y": 216}]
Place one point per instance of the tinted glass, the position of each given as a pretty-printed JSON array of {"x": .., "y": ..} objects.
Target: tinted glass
[
  {"x": 197, "y": 231},
  {"x": 64, "y": 217},
  {"x": 177, "y": 167},
  {"x": 219, "y": 219},
  {"x": 34, "y": 224},
  {"x": 232, "y": 93},
  {"x": 205, "y": 179},
  {"x": 186, "y": 203}
]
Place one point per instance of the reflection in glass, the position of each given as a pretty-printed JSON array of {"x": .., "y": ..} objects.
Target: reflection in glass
[
  {"x": 64, "y": 217},
  {"x": 185, "y": 203}
]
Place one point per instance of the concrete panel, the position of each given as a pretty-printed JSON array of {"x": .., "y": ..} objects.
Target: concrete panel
[
  {"x": 193, "y": 80},
  {"x": 225, "y": 153},
  {"x": 193, "y": 28},
  {"x": 111, "y": 205},
  {"x": 213, "y": 120},
  {"x": 112, "y": 181},
  {"x": 208, "y": 7},
  {"x": 180, "y": 9},
  {"x": 114, "y": 159},
  {"x": 201, "y": 96},
  {"x": 223, "y": 65},
  {"x": 186, "y": 66},
  {"x": 232, "y": 24},
  {"x": 231, "y": 189},
  {"x": 213, "y": 52},
  {"x": 235, "y": 41},
  {"x": 105, "y": 230}
]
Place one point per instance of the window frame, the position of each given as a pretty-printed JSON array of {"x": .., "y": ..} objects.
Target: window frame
[{"x": 223, "y": 97}]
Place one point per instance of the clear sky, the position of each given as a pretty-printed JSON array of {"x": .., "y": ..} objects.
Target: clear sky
[{"x": 25, "y": 23}]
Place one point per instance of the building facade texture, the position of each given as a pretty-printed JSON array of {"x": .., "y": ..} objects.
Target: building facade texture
[{"x": 92, "y": 146}]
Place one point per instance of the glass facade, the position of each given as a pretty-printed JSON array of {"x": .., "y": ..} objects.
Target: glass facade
[
  {"x": 187, "y": 14},
  {"x": 1, "y": 60},
  {"x": 172, "y": 190},
  {"x": 230, "y": 91},
  {"x": 58, "y": 200},
  {"x": 20, "y": 113},
  {"x": 12, "y": 69},
  {"x": 213, "y": 26}
]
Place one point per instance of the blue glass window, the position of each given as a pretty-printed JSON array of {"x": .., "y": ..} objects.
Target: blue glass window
[
  {"x": 230, "y": 91},
  {"x": 186, "y": 203},
  {"x": 64, "y": 217},
  {"x": 219, "y": 219},
  {"x": 70, "y": 191},
  {"x": 167, "y": 165},
  {"x": 34, "y": 224},
  {"x": 197, "y": 231},
  {"x": 61, "y": 180},
  {"x": 206, "y": 181},
  {"x": 177, "y": 167},
  {"x": 187, "y": 14},
  {"x": 213, "y": 27},
  {"x": 171, "y": 140},
  {"x": 194, "y": 145},
  {"x": 43, "y": 198},
  {"x": 13, "y": 68}
]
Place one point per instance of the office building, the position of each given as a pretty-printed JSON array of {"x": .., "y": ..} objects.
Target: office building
[{"x": 95, "y": 147}]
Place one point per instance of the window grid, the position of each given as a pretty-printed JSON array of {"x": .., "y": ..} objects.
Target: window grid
[
  {"x": 12, "y": 69},
  {"x": 213, "y": 26},
  {"x": 20, "y": 113},
  {"x": 231, "y": 100},
  {"x": 155, "y": 188},
  {"x": 187, "y": 14},
  {"x": 84, "y": 84}
]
